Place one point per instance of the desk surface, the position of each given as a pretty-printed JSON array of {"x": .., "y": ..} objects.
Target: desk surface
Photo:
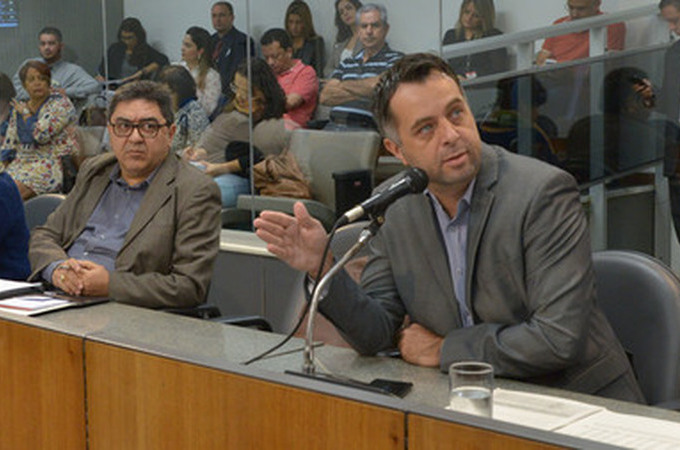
[{"x": 216, "y": 346}]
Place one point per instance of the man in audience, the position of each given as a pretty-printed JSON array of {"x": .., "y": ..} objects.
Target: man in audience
[
  {"x": 572, "y": 46},
  {"x": 351, "y": 85},
  {"x": 491, "y": 264},
  {"x": 229, "y": 43},
  {"x": 75, "y": 82},
  {"x": 140, "y": 226},
  {"x": 297, "y": 79},
  {"x": 670, "y": 104}
]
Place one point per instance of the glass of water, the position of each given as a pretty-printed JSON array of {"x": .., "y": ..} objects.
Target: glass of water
[{"x": 471, "y": 388}]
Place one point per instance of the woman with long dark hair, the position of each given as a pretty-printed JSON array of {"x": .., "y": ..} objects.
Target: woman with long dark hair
[
  {"x": 307, "y": 45},
  {"x": 223, "y": 151},
  {"x": 347, "y": 43},
  {"x": 197, "y": 50},
  {"x": 132, "y": 58}
]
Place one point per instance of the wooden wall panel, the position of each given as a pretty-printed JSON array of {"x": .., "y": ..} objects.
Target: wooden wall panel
[
  {"x": 425, "y": 433},
  {"x": 142, "y": 401},
  {"x": 41, "y": 389}
]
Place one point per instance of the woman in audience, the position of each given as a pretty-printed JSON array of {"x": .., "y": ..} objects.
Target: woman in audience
[
  {"x": 347, "y": 42},
  {"x": 197, "y": 49},
  {"x": 14, "y": 234},
  {"x": 7, "y": 93},
  {"x": 132, "y": 58},
  {"x": 41, "y": 131},
  {"x": 475, "y": 21},
  {"x": 307, "y": 45},
  {"x": 223, "y": 148},
  {"x": 190, "y": 117}
]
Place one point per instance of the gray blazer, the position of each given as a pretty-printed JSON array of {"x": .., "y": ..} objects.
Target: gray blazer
[
  {"x": 529, "y": 286},
  {"x": 168, "y": 253}
]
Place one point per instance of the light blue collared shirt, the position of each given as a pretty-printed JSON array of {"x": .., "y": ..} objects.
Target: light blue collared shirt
[
  {"x": 105, "y": 231},
  {"x": 455, "y": 232}
]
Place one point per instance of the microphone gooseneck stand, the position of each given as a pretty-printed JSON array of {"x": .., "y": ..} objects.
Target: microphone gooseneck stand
[{"x": 308, "y": 366}]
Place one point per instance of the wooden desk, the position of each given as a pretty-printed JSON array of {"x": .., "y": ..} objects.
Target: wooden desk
[
  {"x": 137, "y": 400},
  {"x": 155, "y": 380},
  {"x": 41, "y": 388}
]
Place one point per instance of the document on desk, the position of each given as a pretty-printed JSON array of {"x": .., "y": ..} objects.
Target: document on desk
[
  {"x": 34, "y": 304},
  {"x": 10, "y": 288},
  {"x": 584, "y": 421},
  {"x": 539, "y": 411}
]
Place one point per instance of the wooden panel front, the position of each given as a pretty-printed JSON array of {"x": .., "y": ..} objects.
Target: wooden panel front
[
  {"x": 42, "y": 401},
  {"x": 425, "y": 433},
  {"x": 137, "y": 400}
]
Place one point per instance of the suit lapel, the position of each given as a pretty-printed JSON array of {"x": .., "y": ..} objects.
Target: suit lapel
[
  {"x": 482, "y": 200},
  {"x": 156, "y": 196},
  {"x": 425, "y": 222}
]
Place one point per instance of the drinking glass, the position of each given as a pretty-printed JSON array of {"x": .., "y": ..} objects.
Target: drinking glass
[{"x": 471, "y": 388}]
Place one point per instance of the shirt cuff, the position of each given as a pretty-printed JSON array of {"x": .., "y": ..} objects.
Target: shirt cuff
[
  {"x": 49, "y": 270},
  {"x": 310, "y": 283}
]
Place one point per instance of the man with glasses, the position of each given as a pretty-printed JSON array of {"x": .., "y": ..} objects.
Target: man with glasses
[
  {"x": 298, "y": 80},
  {"x": 140, "y": 226},
  {"x": 568, "y": 47}
]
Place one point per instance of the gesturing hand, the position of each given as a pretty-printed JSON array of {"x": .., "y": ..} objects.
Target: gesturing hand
[{"x": 298, "y": 241}]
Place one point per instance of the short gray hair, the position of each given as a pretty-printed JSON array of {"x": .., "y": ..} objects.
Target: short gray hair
[{"x": 369, "y": 7}]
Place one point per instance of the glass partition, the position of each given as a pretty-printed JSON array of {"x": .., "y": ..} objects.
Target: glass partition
[{"x": 556, "y": 112}]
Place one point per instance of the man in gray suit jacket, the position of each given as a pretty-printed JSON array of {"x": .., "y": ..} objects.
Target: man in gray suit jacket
[
  {"x": 491, "y": 264},
  {"x": 140, "y": 226}
]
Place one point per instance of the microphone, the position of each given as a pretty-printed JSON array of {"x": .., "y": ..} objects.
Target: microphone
[{"x": 411, "y": 181}]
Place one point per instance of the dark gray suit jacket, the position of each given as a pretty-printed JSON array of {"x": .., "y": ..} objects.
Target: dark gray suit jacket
[
  {"x": 168, "y": 253},
  {"x": 529, "y": 285}
]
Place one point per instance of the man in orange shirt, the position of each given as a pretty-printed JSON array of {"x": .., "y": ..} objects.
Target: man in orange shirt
[{"x": 572, "y": 46}]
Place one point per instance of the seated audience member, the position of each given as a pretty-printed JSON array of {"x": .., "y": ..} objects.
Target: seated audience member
[
  {"x": 503, "y": 125},
  {"x": 225, "y": 162},
  {"x": 298, "y": 80},
  {"x": 40, "y": 132},
  {"x": 307, "y": 45},
  {"x": 670, "y": 103},
  {"x": 197, "y": 50},
  {"x": 132, "y": 58},
  {"x": 13, "y": 232},
  {"x": 7, "y": 93},
  {"x": 229, "y": 44},
  {"x": 492, "y": 263},
  {"x": 190, "y": 117},
  {"x": 140, "y": 226},
  {"x": 568, "y": 47},
  {"x": 350, "y": 88},
  {"x": 633, "y": 134},
  {"x": 347, "y": 43},
  {"x": 75, "y": 82},
  {"x": 476, "y": 21}
]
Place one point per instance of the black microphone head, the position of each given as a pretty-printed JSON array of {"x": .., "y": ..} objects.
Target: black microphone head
[{"x": 419, "y": 179}]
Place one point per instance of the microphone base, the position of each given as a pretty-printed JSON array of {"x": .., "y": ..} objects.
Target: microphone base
[{"x": 349, "y": 382}]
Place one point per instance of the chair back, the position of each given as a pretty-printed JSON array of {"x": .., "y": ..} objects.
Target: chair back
[
  {"x": 641, "y": 298},
  {"x": 321, "y": 153},
  {"x": 40, "y": 207},
  {"x": 346, "y": 236}
]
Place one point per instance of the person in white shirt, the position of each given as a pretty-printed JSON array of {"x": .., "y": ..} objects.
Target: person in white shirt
[{"x": 197, "y": 50}]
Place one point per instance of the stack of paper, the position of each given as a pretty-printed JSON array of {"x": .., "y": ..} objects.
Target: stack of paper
[{"x": 584, "y": 421}]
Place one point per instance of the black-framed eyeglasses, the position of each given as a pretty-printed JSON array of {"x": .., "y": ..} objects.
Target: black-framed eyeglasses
[{"x": 147, "y": 128}]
